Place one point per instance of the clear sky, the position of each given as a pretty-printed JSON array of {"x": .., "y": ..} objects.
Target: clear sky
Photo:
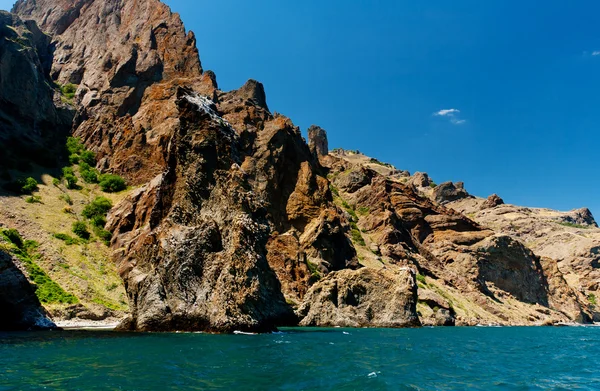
[{"x": 503, "y": 94}]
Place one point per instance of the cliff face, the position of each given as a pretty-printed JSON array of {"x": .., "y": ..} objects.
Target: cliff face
[
  {"x": 31, "y": 122},
  {"x": 20, "y": 308},
  {"x": 236, "y": 223},
  {"x": 126, "y": 59}
]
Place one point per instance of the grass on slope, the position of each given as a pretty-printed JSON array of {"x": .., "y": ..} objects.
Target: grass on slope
[
  {"x": 47, "y": 290},
  {"x": 81, "y": 266}
]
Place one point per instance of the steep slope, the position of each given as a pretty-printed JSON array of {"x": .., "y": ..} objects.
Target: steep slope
[
  {"x": 228, "y": 180},
  {"x": 236, "y": 223},
  {"x": 571, "y": 238},
  {"x": 20, "y": 308},
  {"x": 33, "y": 121},
  {"x": 493, "y": 277}
]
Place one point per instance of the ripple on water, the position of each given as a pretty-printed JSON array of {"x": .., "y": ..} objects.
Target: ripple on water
[{"x": 309, "y": 359}]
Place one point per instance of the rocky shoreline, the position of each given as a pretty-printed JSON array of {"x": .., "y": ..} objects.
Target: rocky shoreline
[{"x": 227, "y": 218}]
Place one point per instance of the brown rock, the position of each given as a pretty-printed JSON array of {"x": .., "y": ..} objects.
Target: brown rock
[
  {"x": 492, "y": 201},
  {"x": 317, "y": 141},
  {"x": 447, "y": 192},
  {"x": 362, "y": 298}
]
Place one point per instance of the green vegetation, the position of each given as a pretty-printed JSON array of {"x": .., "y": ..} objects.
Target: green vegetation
[
  {"x": 421, "y": 279},
  {"x": 29, "y": 186},
  {"x": 363, "y": 211},
  {"x": 47, "y": 291},
  {"x": 66, "y": 198},
  {"x": 68, "y": 92},
  {"x": 572, "y": 225},
  {"x": 432, "y": 185},
  {"x": 96, "y": 212},
  {"x": 23, "y": 186},
  {"x": 34, "y": 199},
  {"x": 592, "y": 299},
  {"x": 375, "y": 161},
  {"x": 69, "y": 240},
  {"x": 88, "y": 173},
  {"x": 97, "y": 208},
  {"x": 334, "y": 190},
  {"x": 111, "y": 183},
  {"x": 313, "y": 270},
  {"x": 356, "y": 235},
  {"x": 13, "y": 236},
  {"x": 80, "y": 229}
]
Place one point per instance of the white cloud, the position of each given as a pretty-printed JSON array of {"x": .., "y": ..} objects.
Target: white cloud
[
  {"x": 447, "y": 113},
  {"x": 596, "y": 53},
  {"x": 451, "y": 115}
]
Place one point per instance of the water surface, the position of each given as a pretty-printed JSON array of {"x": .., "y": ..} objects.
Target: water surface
[{"x": 306, "y": 359}]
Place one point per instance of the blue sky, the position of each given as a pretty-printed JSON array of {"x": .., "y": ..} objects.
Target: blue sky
[{"x": 515, "y": 84}]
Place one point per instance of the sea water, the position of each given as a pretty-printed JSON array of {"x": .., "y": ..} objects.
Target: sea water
[{"x": 477, "y": 358}]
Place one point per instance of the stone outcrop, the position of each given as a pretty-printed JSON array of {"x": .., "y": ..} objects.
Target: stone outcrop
[
  {"x": 19, "y": 306},
  {"x": 234, "y": 224},
  {"x": 317, "y": 141},
  {"x": 569, "y": 238},
  {"x": 448, "y": 191},
  {"x": 468, "y": 262},
  {"x": 492, "y": 201},
  {"x": 127, "y": 59},
  {"x": 362, "y": 298},
  {"x": 32, "y": 124}
]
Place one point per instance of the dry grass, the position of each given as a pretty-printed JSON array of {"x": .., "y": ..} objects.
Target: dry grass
[{"x": 83, "y": 269}]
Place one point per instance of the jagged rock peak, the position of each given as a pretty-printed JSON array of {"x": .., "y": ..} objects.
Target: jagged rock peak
[
  {"x": 255, "y": 91},
  {"x": 138, "y": 39},
  {"x": 448, "y": 191},
  {"x": 317, "y": 141}
]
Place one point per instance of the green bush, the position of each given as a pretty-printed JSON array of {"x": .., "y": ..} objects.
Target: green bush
[
  {"x": 421, "y": 279},
  {"x": 69, "y": 240},
  {"x": 68, "y": 90},
  {"x": 112, "y": 183},
  {"x": 97, "y": 208},
  {"x": 30, "y": 186},
  {"x": 34, "y": 199},
  {"x": 74, "y": 159},
  {"x": 68, "y": 171},
  {"x": 89, "y": 174},
  {"x": 74, "y": 146},
  {"x": 80, "y": 229},
  {"x": 103, "y": 235},
  {"x": 56, "y": 182},
  {"x": 71, "y": 181},
  {"x": 13, "y": 236},
  {"x": 592, "y": 299},
  {"x": 88, "y": 157}
]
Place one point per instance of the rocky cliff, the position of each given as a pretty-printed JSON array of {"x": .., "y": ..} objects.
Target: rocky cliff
[{"x": 235, "y": 222}]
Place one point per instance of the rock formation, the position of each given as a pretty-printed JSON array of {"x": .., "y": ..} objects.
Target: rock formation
[
  {"x": 236, "y": 223},
  {"x": 20, "y": 308},
  {"x": 364, "y": 297},
  {"x": 317, "y": 141},
  {"x": 32, "y": 123}
]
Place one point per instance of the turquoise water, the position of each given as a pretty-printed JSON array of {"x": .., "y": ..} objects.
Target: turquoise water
[{"x": 304, "y": 359}]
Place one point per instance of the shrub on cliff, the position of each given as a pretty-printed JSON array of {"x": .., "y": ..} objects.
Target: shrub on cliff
[
  {"x": 13, "y": 236},
  {"x": 80, "y": 229},
  {"x": 112, "y": 183},
  {"x": 96, "y": 211}
]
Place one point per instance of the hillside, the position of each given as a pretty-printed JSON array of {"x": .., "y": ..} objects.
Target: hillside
[{"x": 224, "y": 217}]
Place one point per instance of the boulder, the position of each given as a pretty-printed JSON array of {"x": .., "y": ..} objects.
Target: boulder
[
  {"x": 448, "y": 192},
  {"x": 362, "y": 298}
]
